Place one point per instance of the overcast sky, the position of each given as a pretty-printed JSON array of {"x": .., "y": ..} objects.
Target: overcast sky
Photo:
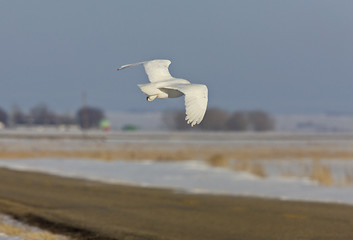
[{"x": 278, "y": 56}]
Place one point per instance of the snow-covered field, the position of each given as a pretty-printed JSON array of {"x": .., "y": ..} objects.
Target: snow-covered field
[{"x": 195, "y": 177}]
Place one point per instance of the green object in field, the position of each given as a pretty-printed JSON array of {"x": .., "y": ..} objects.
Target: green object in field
[
  {"x": 104, "y": 124},
  {"x": 130, "y": 127}
]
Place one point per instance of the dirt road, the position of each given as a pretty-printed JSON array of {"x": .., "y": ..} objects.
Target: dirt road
[{"x": 92, "y": 210}]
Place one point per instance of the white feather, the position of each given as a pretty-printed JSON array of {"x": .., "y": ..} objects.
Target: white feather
[
  {"x": 157, "y": 70},
  {"x": 196, "y": 98}
]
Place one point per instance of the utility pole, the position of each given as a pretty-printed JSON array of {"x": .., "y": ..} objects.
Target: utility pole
[{"x": 84, "y": 111}]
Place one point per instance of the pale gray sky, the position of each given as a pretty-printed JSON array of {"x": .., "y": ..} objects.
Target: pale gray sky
[{"x": 280, "y": 56}]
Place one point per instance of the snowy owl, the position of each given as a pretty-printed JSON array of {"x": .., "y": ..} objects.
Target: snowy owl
[{"x": 163, "y": 85}]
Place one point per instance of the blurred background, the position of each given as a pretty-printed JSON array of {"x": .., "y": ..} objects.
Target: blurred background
[
  {"x": 274, "y": 65},
  {"x": 279, "y": 122}
]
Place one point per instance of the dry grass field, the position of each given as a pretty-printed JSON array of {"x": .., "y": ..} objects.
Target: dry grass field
[
  {"x": 97, "y": 211},
  {"x": 240, "y": 152},
  {"x": 213, "y": 154}
]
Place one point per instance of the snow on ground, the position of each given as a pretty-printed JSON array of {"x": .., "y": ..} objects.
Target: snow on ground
[
  {"x": 3, "y": 236},
  {"x": 11, "y": 229},
  {"x": 10, "y": 221},
  {"x": 187, "y": 176}
]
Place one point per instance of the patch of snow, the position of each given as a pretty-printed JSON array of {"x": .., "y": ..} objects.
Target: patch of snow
[
  {"x": 3, "y": 236},
  {"x": 8, "y": 220},
  {"x": 188, "y": 176}
]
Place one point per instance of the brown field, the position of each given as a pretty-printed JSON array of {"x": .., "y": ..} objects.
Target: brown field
[
  {"x": 215, "y": 155},
  {"x": 88, "y": 210}
]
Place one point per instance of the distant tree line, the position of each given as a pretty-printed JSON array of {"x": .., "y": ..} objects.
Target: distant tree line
[
  {"x": 215, "y": 119},
  {"x": 85, "y": 117},
  {"x": 220, "y": 120}
]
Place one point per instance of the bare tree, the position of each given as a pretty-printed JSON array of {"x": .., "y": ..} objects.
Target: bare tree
[
  {"x": 3, "y": 116},
  {"x": 41, "y": 115},
  {"x": 261, "y": 121},
  {"x": 89, "y": 117},
  {"x": 17, "y": 116},
  {"x": 175, "y": 120},
  {"x": 238, "y": 121},
  {"x": 215, "y": 120},
  {"x": 65, "y": 119}
]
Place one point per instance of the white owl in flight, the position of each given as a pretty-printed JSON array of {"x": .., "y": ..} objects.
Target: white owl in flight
[{"x": 163, "y": 85}]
